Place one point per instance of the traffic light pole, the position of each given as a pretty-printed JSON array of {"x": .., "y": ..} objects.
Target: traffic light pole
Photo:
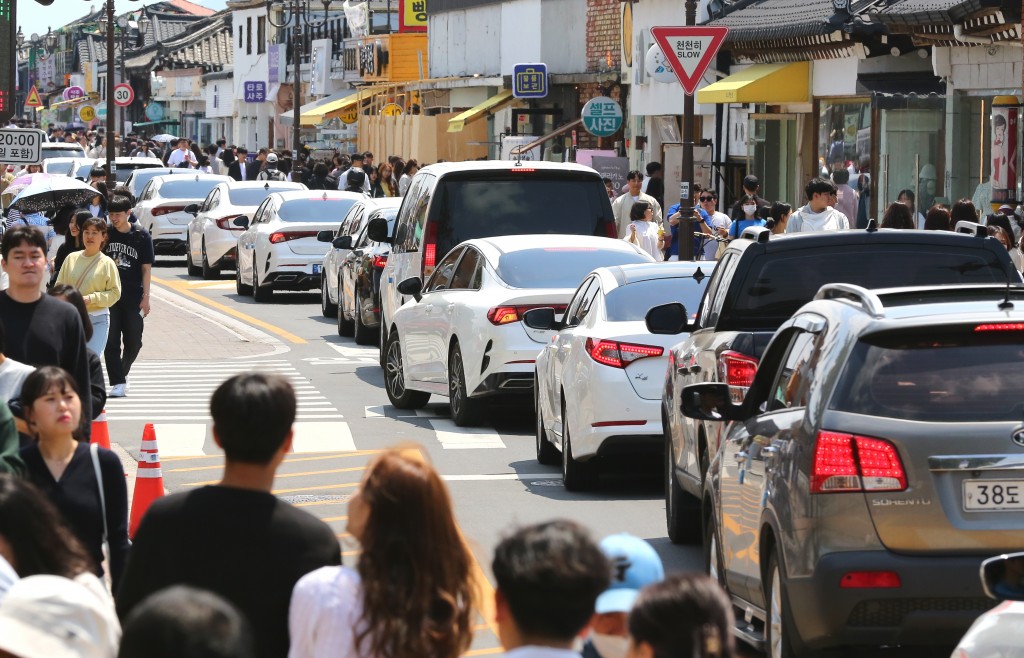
[{"x": 687, "y": 192}]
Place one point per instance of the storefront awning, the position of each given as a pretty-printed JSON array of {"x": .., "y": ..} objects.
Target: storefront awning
[
  {"x": 459, "y": 121},
  {"x": 329, "y": 110},
  {"x": 762, "y": 83}
]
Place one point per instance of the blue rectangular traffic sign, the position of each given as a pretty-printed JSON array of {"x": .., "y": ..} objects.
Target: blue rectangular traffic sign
[{"x": 530, "y": 80}]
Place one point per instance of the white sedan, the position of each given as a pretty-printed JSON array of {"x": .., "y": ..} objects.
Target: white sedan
[
  {"x": 213, "y": 234},
  {"x": 461, "y": 335},
  {"x": 161, "y": 207},
  {"x": 278, "y": 250},
  {"x": 599, "y": 380}
]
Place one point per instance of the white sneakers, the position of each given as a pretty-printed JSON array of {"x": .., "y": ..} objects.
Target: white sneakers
[{"x": 118, "y": 391}]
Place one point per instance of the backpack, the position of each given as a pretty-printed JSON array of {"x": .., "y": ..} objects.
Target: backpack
[{"x": 270, "y": 174}]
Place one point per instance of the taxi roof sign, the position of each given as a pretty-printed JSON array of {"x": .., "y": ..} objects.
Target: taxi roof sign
[{"x": 689, "y": 50}]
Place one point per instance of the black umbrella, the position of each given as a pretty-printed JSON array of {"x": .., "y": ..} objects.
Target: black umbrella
[{"x": 53, "y": 193}]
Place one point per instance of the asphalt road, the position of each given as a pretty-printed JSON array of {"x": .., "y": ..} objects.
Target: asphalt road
[{"x": 200, "y": 332}]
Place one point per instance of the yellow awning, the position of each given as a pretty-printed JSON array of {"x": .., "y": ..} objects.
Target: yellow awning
[
  {"x": 320, "y": 113},
  {"x": 459, "y": 121},
  {"x": 762, "y": 83}
]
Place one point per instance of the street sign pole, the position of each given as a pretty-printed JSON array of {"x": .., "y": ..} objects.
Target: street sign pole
[
  {"x": 111, "y": 112},
  {"x": 686, "y": 209}
]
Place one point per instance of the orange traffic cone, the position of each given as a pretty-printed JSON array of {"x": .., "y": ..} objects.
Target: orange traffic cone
[
  {"x": 100, "y": 434},
  {"x": 149, "y": 480}
]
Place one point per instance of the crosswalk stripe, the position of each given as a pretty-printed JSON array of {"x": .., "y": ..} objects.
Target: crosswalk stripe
[
  {"x": 196, "y": 439},
  {"x": 180, "y": 439},
  {"x": 453, "y": 437},
  {"x": 134, "y": 415},
  {"x": 322, "y": 437}
]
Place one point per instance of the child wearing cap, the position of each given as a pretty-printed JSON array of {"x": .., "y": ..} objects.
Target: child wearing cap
[{"x": 635, "y": 564}]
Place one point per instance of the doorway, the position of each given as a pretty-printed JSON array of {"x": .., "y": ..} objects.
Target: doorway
[{"x": 772, "y": 152}]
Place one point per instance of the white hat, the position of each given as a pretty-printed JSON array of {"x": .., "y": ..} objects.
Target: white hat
[{"x": 55, "y": 617}]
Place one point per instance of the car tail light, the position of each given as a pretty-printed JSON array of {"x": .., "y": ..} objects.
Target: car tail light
[
  {"x": 166, "y": 210},
  {"x": 430, "y": 249},
  {"x": 225, "y": 223},
  {"x": 848, "y": 463},
  {"x": 619, "y": 355},
  {"x": 285, "y": 236},
  {"x": 1000, "y": 326},
  {"x": 500, "y": 315},
  {"x": 870, "y": 580},
  {"x": 737, "y": 370},
  {"x": 380, "y": 262},
  {"x": 611, "y": 229}
]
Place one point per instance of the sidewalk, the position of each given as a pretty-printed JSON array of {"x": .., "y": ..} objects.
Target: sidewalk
[{"x": 209, "y": 336}]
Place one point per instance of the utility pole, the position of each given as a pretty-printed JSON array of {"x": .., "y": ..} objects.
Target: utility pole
[
  {"x": 687, "y": 194},
  {"x": 111, "y": 151}
]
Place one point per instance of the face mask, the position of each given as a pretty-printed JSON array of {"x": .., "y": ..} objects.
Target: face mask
[
  {"x": 749, "y": 209},
  {"x": 610, "y": 646}
]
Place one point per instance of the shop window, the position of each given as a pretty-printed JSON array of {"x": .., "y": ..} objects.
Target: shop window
[
  {"x": 912, "y": 153},
  {"x": 261, "y": 35},
  {"x": 248, "y": 35},
  {"x": 971, "y": 120},
  {"x": 844, "y": 143}
]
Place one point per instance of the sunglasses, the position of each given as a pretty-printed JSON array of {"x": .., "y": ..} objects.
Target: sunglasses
[{"x": 706, "y": 198}]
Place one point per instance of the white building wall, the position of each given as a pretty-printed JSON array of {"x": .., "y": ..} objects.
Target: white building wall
[
  {"x": 251, "y": 120},
  {"x": 466, "y": 42},
  {"x": 563, "y": 36},
  {"x": 975, "y": 68},
  {"x": 220, "y": 97},
  {"x": 521, "y": 33}
]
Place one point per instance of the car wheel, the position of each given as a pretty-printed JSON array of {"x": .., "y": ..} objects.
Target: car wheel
[
  {"x": 209, "y": 272},
  {"x": 576, "y": 475},
  {"x": 192, "y": 269},
  {"x": 362, "y": 334},
  {"x": 381, "y": 343},
  {"x": 465, "y": 410},
  {"x": 327, "y": 309},
  {"x": 394, "y": 379},
  {"x": 682, "y": 512},
  {"x": 345, "y": 327},
  {"x": 779, "y": 629},
  {"x": 260, "y": 293},
  {"x": 240, "y": 287},
  {"x": 713, "y": 564},
  {"x": 547, "y": 453}
]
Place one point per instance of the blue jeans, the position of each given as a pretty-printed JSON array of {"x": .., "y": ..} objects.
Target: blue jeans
[{"x": 100, "y": 330}]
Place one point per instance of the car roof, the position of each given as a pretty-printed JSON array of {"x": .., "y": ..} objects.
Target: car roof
[
  {"x": 624, "y": 275},
  {"x": 383, "y": 202},
  {"x": 252, "y": 184},
  {"x": 496, "y": 246},
  {"x": 318, "y": 194},
  {"x": 443, "y": 168},
  {"x": 198, "y": 176},
  {"x": 810, "y": 240},
  {"x": 135, "y": 160}
]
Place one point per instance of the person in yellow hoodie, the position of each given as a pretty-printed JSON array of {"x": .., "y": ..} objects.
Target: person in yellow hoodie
[{"x": 94, "y": 274}]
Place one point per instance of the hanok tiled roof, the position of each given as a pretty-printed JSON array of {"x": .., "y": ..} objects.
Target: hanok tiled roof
[
  {"x": 192, "y": 8},
  {"x": 206, "y": 44},
  {"x": 766, "y": 20},
  {"x": 940, "y": 12}
]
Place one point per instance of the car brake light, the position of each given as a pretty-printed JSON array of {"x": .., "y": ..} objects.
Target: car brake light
[
  {"x": 166, "y": 210},
  {"x": 611, "y": 229},
  {"x": 225, "y": 223},
  {"x": 1000, "y": 326},
  {"x": 430, "y": 249},
  {"x": 285, "y": 236},
  {"x": 380, "y": 262},
  {"x": 870, "y": 580},
  {"x": 619, "y": 355},
  {"x": 500, "y": 315},
  {"x": 848, "y": 463},
  {"x": 737, "y": 370}
]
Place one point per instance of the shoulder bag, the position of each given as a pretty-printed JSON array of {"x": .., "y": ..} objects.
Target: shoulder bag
[{"x": 94, "y": 453}]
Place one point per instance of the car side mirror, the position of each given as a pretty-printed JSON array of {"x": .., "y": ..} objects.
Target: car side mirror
[
  {"x": 325, "y": 236},
  {"x": 192, "y": 209},
  {"x": 709, "y": 401},
  {"x": 541, "y": 318},
  {"x": 1002, "y": 577},
  {"x": 343, "y": 242},
  {"x": 377, "y": 230},
  {"x": 667, "y": 319},
  {"x": 241, "y": 222},
  {"x": 411, "y": 286}
]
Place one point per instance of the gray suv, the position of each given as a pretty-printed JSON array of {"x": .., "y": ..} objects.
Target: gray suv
[{"x": 876, "y": 460}]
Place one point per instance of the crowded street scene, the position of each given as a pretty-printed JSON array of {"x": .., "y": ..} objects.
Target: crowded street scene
[{"x": 538, "y": 328}]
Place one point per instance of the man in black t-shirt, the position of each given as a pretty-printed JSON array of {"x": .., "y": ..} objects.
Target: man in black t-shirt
[
  {"x": 41, "y": 331},
  {"x": 131, "y": 247},
  {"x": 236, "y": 538}
]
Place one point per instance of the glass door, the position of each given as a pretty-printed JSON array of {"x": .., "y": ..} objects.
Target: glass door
[{"x": 771, "y": 150}]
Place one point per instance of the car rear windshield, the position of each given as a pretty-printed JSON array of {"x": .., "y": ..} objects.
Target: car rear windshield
[
  {"x": 777, "y": 284},
  {"x": 59, "y": 167},
  {"x": 253, "y": 196},
  {"x": 559, "y": 267},
  {"x": 631, "y": 302},
  {"x": 126, "y": 170},
  {"x": 187, "y": 188},
  {"x": 62, "y": 152},
  {"x": 314, "y": 210},
  {"x": 947, "y": 375},
  {"x": 502, "y": 203}
]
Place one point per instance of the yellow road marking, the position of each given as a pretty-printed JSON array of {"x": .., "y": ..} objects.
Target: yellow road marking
[
  {"x": 278, "y": 476},
  {"x": 183, "y": 289},
  {"x": 483, "y": 652},
  {"x": 347, "y": 485}
]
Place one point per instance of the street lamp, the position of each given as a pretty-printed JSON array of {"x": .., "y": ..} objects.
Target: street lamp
[
  {"x": 300, "y": 12},
  {"x": 50, "y": 39},
  {"x": 124, "y": 24},
  {"x": 106, "y": 24},
  {"x": 20, "y": 38}
]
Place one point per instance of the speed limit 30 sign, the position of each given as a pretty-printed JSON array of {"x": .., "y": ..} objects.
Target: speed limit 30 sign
[{"x": 124, "y": 95}]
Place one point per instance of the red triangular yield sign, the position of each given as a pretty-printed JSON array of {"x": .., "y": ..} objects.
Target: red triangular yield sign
[
  {"x": 689, "y": 50},
  {"x": 33, "y": 98}
]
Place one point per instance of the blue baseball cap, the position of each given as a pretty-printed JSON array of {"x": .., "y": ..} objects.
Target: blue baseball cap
[{"x": 634, "y": 565}]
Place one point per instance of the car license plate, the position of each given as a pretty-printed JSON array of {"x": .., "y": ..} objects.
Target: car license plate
[
  {"x": 316, "y": 269},
  {"x": 993, "y": 495}
]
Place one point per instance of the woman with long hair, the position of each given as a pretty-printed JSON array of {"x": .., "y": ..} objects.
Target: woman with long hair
[
  {"x": 938, "y": 219},
  {"x": 95, "y": 275},
  {"x": 411, "y": 594},
  {"x": 643, "y": 230},
  {"x": 97, "y": 381},
  {"x": 385, "y": 179},
  {"x": 96, "y": 509},
  {"x": 898, "y": 215},
  {"x": 779, "y": 214},
  {"x": 410, "y": 169},
  {"x": 963, "y": 211},
  {"x": 97, "y": 206}
]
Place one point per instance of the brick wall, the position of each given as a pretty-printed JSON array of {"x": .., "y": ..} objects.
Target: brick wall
[{"x": 604, "y": 21}]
